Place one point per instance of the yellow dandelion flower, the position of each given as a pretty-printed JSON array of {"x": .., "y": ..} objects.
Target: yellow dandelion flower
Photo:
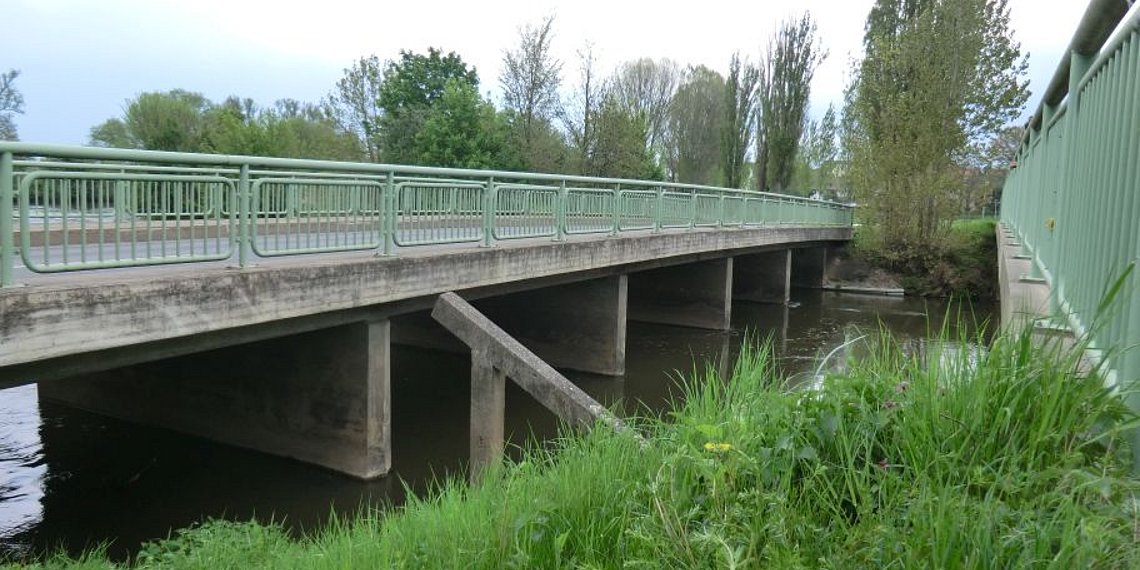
[{"x": 716, "y": 447}]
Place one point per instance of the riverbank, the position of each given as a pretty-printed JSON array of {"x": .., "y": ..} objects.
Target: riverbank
[
  {"x": 964, "y": 265},
  {"x": 1001, "y": 458}
]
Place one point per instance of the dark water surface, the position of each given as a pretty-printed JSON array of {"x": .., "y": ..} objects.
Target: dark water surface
[{"x": 71, "y": 480}]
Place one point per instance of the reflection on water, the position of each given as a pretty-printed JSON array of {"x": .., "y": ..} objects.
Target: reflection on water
[{"x": 73, "y": 479}]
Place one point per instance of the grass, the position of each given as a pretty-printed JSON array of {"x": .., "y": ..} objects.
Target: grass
[{"x": 1003, "y": 458}]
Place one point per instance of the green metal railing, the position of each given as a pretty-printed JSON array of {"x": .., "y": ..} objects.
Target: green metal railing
[
  {"x": 1073, "y": 200},
  {"x": 65, "y": 208}
]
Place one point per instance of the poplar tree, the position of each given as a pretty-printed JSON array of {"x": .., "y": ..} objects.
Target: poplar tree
[
  {"x": 785, "y": 79},
  {"x": 739, "y": 120}
]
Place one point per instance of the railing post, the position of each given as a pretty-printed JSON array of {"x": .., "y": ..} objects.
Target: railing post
[
  {"x": 7, "y": 237},
  {"x": 658, "y": 211},
  {"x": 489, "y": 213},
  {"x": 616, "y": 210},
  {"x": 720, "y": 216},
  {"x": 388, "y": 202},
  {"x": 1079, "y": 65},
  {"x": 560, "y": 213},
  {"x": 245, "y": 217}
]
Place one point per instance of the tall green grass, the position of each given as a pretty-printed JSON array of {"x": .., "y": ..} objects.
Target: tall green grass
[{"x": 1005, "y": 457}]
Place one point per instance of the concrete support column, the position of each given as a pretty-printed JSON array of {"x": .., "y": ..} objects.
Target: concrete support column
[
  {"x": 488, "y": 413},
  {"x": 809, "y": 267},
  {"x": 763, "y": 277},
  {"x": 579, "y": 326},
  {"x": 695, "y": 295},
  {"x": 320, "y": 397}
]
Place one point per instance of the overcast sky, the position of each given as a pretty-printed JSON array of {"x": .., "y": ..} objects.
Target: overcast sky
[{"x": 80, "y": 61}]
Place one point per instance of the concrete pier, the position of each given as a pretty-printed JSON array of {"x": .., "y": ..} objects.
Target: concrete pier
[
  {"x": 321, "y": 397},
  {"x": 763, "y": 277},
  {"x": 695, "y": 295},
  {"x": 579, "y": 326},
  {"x": 809, "y": 267}
]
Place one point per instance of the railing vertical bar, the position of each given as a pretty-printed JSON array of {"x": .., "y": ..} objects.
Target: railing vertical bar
[{"x": 7, "y": 230}]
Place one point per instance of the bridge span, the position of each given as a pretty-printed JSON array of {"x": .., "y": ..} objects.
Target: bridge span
[{"x": 253, "y": 301}]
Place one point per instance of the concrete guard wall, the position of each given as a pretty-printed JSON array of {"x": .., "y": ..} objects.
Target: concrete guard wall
[{"x": 321, "y": 397}]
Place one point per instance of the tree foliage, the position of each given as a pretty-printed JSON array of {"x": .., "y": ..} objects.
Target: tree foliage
[
  {"x": 530, "y": 80},
  {"x": 816, "y": 160},
  {"x": 578, "y": 111},
  {"x": 644, "y": 88},
  {"x": 739, "y": 120},
  {"x": 462, "y": 130},
  {"x": 355, "y": 104},
  {"x": 693, "y": 136},
  {"x": 184, "y": 121},
  {"x": 784, "y": 88},
  {"x": 939, "y": 78},
  {"x": 11, "y": 104},
  {"x": 618, "y": 149},
  {"x": 409, "y": 89}
]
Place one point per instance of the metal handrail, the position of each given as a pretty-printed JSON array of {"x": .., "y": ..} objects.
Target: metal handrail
[
  {"x": 1073, "y": 199},
  {"x": 99, "y": 208}
]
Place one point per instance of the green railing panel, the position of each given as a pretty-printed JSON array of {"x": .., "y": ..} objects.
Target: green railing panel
[
  {"x": 638, "y": 210},
  {"x": 439, "y": 213},
  {"x": 525, "y": 211},
  {"x": 1073, "y": 200},
  {"x": 99, "y": 220},
  {"x": 590, "y": 211},
  {"x": 303, "y": 215}
]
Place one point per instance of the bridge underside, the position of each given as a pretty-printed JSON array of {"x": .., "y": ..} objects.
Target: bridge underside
[{"x": 294, "y": 360}]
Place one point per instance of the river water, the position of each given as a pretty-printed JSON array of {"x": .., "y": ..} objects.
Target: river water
[{"x": 72, "y": 480}]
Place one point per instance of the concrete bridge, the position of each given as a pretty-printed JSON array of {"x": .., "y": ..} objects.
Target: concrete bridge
[{"x": 254, "y": 301}]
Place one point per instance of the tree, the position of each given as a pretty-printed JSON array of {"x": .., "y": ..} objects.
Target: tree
[
  {"x": 784, "y": 89},
  {"x": 11, "y": 104},
  {"x": 817, "y": 155},
  {"x": 462, "y": 130},
  {"x": 693, "y": 136},
  {"x": 618, "y": 149},
  {"x": 183, "y": 121},
  {"x": 644, "y": 88},
  {"x": 355, "y": 104},
  {"x": 171, "y": 120},
  {"x": 739, "y": 120},
  {"x": 530, "y": 80},
  {"x": 409, "y": 88},
  {"x": 938, "y": 80},
  {"x": 579, "y": 110},
  {"x": 308, "y": 131}
]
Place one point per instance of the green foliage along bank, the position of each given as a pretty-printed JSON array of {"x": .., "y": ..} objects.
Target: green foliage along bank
[
  {"x": 1003, "y": 457},
  {"x": 963, "y": 264}
]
